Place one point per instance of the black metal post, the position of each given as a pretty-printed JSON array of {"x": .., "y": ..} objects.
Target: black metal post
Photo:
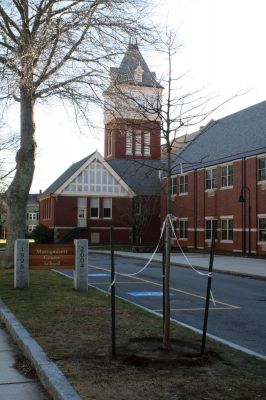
[
  {"x": 207, "y": 303},
  {"x": 249, "y": 228},
  {"x": 242, "y": 199},
  {"x": 113, "y": 293}
]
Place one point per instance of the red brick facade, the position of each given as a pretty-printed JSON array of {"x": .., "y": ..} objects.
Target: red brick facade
[
  {"x": 61, "y": 214},
  {"x": 115, "y": 139},
  {"x": 237, "y": 222}
]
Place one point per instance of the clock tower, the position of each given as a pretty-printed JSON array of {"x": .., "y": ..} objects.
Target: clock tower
[{"x": 132, "y": 117}]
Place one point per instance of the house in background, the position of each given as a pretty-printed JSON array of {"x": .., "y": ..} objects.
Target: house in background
[
  {"x": 123, "y": 188},
  {"x": 32, "y": 212},
  {"x": 31, "y": 217},
  {"x": 219, "y": 180}
]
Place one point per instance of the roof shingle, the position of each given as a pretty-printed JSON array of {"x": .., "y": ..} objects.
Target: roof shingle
[{"x": 238, "y": 135}]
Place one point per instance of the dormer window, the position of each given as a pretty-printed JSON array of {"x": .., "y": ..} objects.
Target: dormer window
[{"x": 138, "y": 74}]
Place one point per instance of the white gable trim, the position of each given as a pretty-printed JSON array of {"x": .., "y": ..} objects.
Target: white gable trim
[{"x": 97, "y": 156}]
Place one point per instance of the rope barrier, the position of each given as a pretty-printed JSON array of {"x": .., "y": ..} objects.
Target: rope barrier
[
  {"x": 208, "y": 274},
  {"x": 145, "y": 266},
  {"x": 184, "y": 255},
  {"x": 169, "y": 217}
]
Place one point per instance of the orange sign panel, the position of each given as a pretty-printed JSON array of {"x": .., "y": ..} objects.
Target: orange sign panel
[{"x": 52, "y": 256}]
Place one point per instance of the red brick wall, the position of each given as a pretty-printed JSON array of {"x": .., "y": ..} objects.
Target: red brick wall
[
  {"x": 64, "y": 219},
  {"x": 198, "y": 204},
  {"x": 119, "y": 129},
  {"x": 47, "y": 211}
]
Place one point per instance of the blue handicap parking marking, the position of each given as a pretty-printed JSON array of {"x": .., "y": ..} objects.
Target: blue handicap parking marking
[
  {"x": 98, "y": 274},
  {"x": 146, "y": 294}
]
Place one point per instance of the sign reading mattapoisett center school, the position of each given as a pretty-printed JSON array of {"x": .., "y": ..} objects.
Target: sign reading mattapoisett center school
[{"x": 60, "y": 256}]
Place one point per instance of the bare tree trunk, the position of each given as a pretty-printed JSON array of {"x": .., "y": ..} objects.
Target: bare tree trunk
[
  {"x": 166, "y": 333},
  {"x": 18, "y": 191}
]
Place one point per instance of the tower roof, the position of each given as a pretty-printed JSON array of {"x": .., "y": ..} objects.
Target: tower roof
[{"x": 131, "y": 61}]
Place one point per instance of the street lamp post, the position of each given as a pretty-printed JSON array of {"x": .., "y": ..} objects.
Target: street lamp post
[{"x": 243, "y": 199}]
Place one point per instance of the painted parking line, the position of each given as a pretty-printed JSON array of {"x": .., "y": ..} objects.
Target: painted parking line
[
  {"x": 146, "y": 294},
  {"x": 99, "y": 275},
  {"x": 230, "y": 306},
  {"x": 197, "y": 309}
]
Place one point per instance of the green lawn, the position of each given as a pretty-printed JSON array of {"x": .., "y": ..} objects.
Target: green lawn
[{"x": 75, "y": 331}]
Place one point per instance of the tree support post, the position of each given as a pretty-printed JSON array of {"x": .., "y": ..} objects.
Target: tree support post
[
  {"x": 207, "y": 303},
  {"x": 113, "y": 293}
]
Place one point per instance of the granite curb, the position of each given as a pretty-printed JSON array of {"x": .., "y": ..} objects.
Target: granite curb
[{"x": 48, "y": 373}]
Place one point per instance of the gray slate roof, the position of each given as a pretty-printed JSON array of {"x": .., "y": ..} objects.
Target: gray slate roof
[
  {"x": 33, "y": 198},
  {"x": 140, "y": 175},
  {"x": 238, "y": 135},
  {"x": 131, "y": 60},
  {"x": 65, "y": 176}
]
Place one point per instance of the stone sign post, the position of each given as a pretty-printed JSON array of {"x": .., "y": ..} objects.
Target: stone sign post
[
  {"x": 81, "y": 265},
  {"x": 39, "y": 257},
  {"x": 21, "y": 276}
]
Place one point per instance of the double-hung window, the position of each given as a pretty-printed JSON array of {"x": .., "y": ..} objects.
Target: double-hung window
[
  {"x": 183, "y": 184},
  {"x": 227, "y": 225},
  {"x": 173, "y": 186},
  {"x": 183, "y": 228},
  {"x": 30, "y": 228},
  {"x": 32, "y": 216},
  {"x": 227, "y": 175},
  {"x": 262, "y": 229},
  {"x": 94, "y": 208},
  {"x": 210, "y": 179},
  {"x": 107, "y": 208},
  {"x": 262, "y": 169},
  {"x": 210, "y": 226}
]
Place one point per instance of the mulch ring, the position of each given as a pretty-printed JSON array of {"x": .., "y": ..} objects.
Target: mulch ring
[{"x": 148, "y": 352}]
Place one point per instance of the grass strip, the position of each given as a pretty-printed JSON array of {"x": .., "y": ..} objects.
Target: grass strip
[{"x": 74, "y": 330}]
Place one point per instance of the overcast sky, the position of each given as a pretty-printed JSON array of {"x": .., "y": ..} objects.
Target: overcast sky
[{"x": 223, "y": 51}]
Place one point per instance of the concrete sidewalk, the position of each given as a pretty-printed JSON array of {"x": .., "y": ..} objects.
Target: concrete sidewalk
[
  {"x": 242, "y": 266},
  {"x": 14, "y": 385}
]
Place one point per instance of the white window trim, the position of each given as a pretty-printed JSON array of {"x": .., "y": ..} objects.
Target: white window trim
[
  {"x": 183, "y": 193},
  {"x": 138, "y": 144},
  {"x": 147, "y": 144},
  {"x": 111, "y": 208},
  {"x": 172, "y": 186},
  {"x": 260, "y": 216},
  {"x": 32, "y": 214},
  {"x": 261, "y": 182},
  {"x": 228, "y": 217},
  {"x": 217, "y": 230},
  {"x": 212, "y": 189},
  {"x": 226, "y": 187},
  {"x": 98, "y": 203},
  {"x": 185, "y": 219},
  {"x": 33, "y": 227},
  {"x": 109, "y": 144},
  {"x": 227, "y": 166},
  {"x": 129, "y": 143}
]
